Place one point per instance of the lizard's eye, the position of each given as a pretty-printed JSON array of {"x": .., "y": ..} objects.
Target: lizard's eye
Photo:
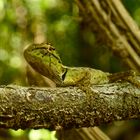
[{"x": 43, "y": 52}]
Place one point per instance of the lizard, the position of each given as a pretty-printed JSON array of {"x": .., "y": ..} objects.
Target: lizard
[{"x": 44, "y": 59}]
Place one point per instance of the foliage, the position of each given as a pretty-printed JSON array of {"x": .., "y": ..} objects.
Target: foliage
[
  {"x": 24, "y": 22},
  {"x": 56, "y": 21}
]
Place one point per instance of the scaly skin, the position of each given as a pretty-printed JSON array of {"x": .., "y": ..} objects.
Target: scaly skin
[{"x": 44, "y": 59}]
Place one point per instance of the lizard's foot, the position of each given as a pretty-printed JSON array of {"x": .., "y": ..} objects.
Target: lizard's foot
[
  {"x": 133, "y": 81},
  {"x": 84, "y": 83}
]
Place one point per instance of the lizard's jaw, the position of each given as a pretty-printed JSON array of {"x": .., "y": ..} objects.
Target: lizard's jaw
[
  {"x": 47, "y": 71},
  {"x": 44, "y": 69}
]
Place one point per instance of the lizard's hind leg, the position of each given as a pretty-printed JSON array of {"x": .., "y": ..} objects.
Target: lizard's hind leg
[{"x": 129, "y": 76}]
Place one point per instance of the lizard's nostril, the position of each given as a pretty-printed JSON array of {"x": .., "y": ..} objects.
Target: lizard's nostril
[{"x": 51, "y": 48}]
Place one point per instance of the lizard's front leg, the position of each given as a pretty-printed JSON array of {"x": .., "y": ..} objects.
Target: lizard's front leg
[
  {"x": 83, "y": 81},
  {"x": 77, "y": 77}
]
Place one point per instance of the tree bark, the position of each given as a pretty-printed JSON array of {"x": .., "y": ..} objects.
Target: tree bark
[{"x": 67, "y": 107}]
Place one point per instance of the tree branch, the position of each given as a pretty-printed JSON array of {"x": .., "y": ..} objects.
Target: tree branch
[
  {"x": 67, "y": 107},
  {"x": 115, "y": 26}
]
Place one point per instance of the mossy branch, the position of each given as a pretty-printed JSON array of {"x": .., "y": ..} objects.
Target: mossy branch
[{"x": 67, "y": 107}]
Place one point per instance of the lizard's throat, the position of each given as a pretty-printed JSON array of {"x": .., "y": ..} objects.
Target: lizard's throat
[{"x": 53, "y": 72}]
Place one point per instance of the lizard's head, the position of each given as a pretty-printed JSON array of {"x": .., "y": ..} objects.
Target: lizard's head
[{"x": 45, "y": 60}]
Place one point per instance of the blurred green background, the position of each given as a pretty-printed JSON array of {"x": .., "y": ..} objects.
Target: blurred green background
[{"x": 23, "y": 22}]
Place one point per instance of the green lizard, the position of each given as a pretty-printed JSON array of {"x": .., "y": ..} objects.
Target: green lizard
[{"x": 44, "y": 59}]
